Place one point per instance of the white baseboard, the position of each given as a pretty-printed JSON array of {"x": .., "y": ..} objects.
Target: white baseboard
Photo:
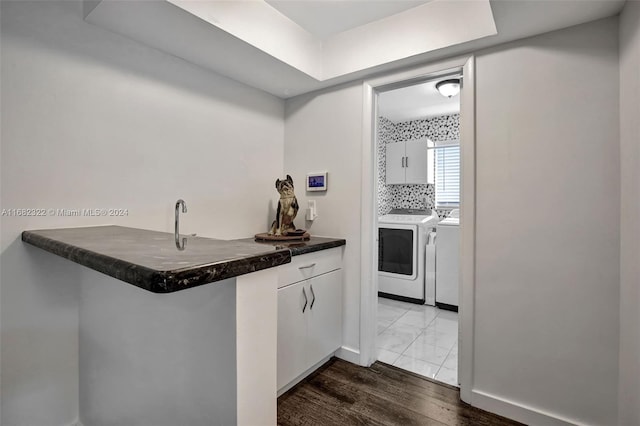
[
  {"x": 349, "y": 354},
  {"x": 516, "y": 411}
]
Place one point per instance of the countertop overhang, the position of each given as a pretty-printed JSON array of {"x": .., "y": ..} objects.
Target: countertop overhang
[{"x": 151, "y": 260}]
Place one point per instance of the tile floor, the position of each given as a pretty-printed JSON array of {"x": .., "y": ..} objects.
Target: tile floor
[{"x": 418, "y": 338}]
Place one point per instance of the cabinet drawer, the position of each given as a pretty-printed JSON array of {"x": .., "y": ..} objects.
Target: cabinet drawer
[{"x": 309, "y": 265}]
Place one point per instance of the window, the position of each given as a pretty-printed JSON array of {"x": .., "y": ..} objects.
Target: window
[{"x": 447, "y": 175}]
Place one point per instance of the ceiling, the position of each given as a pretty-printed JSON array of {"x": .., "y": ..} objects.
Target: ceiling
[
  {"x": 417, "y": 101},
  {"x": 329, "y": 17},
  {"x": 290, "y": 47}
]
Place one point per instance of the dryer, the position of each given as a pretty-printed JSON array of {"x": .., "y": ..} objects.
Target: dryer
[{"x": 448, "y": 262}]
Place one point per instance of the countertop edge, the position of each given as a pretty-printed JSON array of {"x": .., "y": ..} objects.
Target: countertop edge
[{"x": 153, "y": 280}]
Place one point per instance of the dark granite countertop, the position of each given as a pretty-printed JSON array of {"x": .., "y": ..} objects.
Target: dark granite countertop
[
  {"x": 150, "y": 259},
  {"x": 300, "y": 247}
]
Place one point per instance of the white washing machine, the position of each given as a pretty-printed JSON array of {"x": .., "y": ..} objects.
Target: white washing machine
[
  {"x": 402, "y": 237},
  {"x": 448, "y": 261}
]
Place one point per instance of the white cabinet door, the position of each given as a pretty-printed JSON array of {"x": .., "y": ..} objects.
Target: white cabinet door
[
  {"x": 416, "y": 162},
  {"x": 292, "y": 332},
  {"x": 395, "y": 163},
  {"x": 324, "y": 321}
]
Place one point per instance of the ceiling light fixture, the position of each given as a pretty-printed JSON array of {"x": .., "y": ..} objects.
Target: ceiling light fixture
[{"x": 449, "y": 88}]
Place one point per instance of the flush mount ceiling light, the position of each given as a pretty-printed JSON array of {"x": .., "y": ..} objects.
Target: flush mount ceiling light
[{"x": 449, "y": 88}]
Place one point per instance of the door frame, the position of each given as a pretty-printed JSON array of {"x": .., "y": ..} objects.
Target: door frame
[{"x": 369, "y": 204}]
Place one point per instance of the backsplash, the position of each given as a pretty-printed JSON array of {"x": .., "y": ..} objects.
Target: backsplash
[{"x": 441, "y": 128}]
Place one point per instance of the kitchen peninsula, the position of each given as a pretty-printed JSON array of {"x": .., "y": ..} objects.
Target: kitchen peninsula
[{"x": 179, "y": 336}]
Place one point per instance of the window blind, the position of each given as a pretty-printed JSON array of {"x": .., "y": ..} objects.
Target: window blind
[{"x": 447, "y": 175}]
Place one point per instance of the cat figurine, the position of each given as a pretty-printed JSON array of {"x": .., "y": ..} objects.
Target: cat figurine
[{"x": 287, "y": 208}]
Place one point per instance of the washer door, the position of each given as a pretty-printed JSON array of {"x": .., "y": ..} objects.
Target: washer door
[{"x": 397, "y": 251}]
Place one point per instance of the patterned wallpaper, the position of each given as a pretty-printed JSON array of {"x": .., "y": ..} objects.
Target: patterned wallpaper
[{"x": 441, "y": 128}]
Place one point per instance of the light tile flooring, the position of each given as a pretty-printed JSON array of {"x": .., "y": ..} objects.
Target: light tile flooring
[{"x": 418, "y": 338}]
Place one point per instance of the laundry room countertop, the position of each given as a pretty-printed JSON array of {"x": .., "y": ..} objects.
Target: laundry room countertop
[{"x": 150, "y": 259}]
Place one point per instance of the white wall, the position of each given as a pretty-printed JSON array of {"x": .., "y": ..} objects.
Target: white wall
[
  {"x": 323, "y": 132},
  {"x": 547, "y": 294},
  {"x": 547, "y": 214},
  {"x": 629, "y": 390},
  {"x": 91, "y": 119}
]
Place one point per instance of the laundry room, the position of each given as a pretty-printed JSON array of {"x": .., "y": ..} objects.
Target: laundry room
[{"x": 418, "y": 205}]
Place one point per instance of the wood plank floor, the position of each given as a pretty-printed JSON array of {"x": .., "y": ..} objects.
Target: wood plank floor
[{"x": 341, "y": 393}]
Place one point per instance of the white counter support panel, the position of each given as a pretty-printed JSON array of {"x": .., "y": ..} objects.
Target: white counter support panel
[
  {"x": 256, "y": 343},
  {"x": 202, "y": 356}
]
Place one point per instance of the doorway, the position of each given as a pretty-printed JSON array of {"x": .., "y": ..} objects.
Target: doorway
[{"x": 397, "y": 327}]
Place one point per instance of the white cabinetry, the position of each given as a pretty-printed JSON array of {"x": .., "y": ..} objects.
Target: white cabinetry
[
  {"x": 309, "y": 313},
  {"x": 292, "y": 333},
  {"x": 409, "y": 162},
  {"x": 324, "y": 321},
  {"x": 395, "y": 171}
]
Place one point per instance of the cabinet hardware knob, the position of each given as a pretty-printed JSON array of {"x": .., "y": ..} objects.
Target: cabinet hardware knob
[
  {"x": 304, "y": 293},
  {"x": 308, "y": 266},
  {"x": 314, "y": 297}
]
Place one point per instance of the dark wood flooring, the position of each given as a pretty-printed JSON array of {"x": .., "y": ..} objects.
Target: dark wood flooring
[{"x": 341, "y": 393}]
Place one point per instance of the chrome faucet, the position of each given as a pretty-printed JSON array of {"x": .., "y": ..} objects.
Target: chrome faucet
[{"x": 180, "y": 244}]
